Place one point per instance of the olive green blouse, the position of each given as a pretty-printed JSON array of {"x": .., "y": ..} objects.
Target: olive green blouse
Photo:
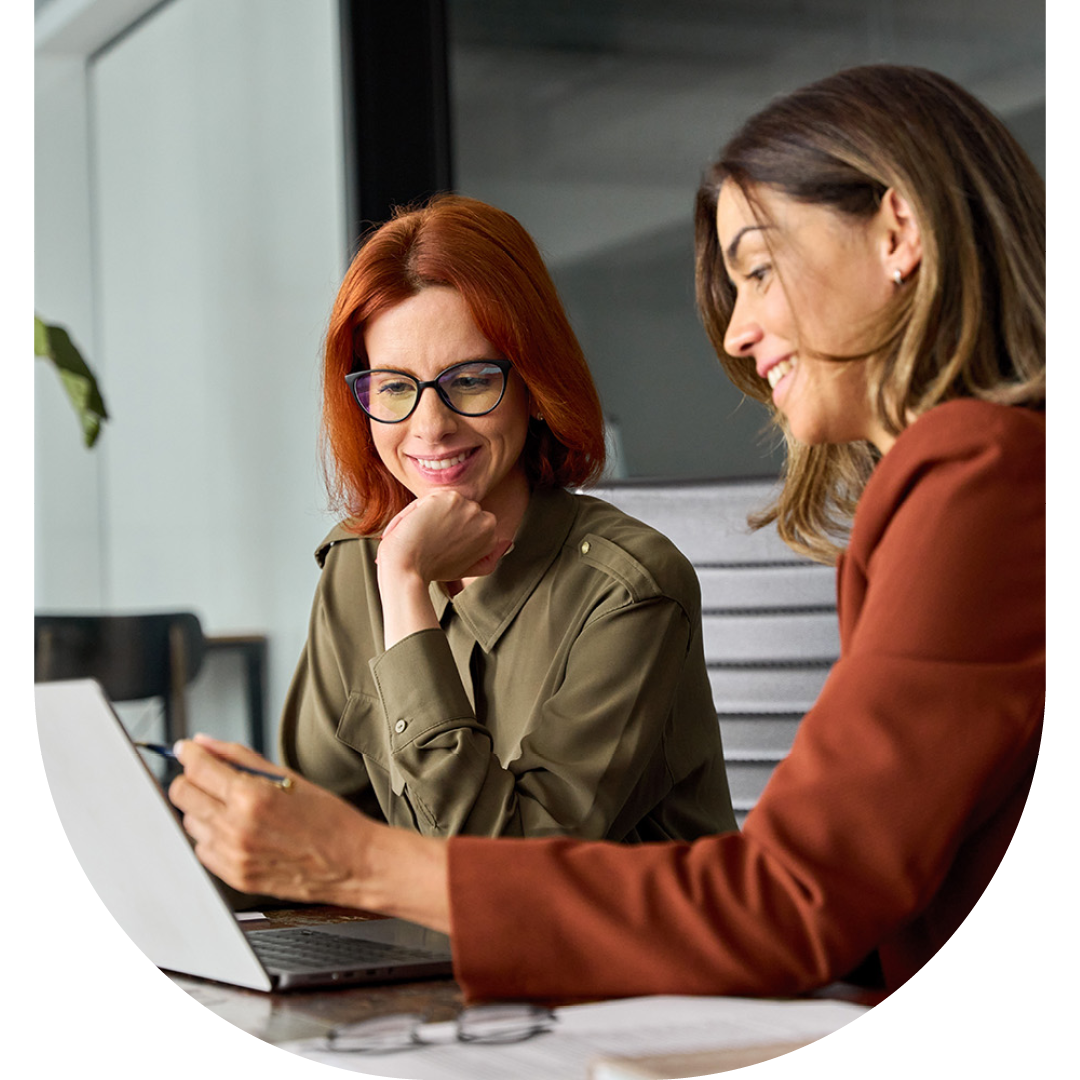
[{"x": 566, "y": 693}]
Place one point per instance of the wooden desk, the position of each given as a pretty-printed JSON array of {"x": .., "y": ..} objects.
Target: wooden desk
[
  {"x": 301, "y": 1014},
  {"x": 305, "y": 1014}
]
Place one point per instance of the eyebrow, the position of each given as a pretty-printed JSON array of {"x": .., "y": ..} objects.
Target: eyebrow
[{"x": 732, "y": 249}]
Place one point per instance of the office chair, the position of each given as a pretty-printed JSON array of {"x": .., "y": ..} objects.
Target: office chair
[
  {"x": 134, "y": 657},
  {"x": 768, "y": 616}
]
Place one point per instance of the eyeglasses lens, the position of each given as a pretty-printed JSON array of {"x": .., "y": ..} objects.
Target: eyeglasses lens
[
  {"x": 378, "y": 1034},
  {"x": 470, "y": 389},
  {"x": 503, "y": 1023}
]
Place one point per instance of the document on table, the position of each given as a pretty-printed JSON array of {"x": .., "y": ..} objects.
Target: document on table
[{"x": 583, "y": 1034}]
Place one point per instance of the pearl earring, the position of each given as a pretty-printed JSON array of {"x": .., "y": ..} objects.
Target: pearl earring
[{"x": 898, "y": 276}]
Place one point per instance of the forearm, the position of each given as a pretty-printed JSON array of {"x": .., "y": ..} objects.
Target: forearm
[
  {"x": 406, "y": 605},
  {"x": 401, "y": 874}
]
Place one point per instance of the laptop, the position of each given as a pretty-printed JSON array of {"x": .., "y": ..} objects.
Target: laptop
[{"x": 128, "y": 838}]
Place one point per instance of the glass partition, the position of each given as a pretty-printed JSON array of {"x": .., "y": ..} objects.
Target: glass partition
[{"x": 591, "y": 122}]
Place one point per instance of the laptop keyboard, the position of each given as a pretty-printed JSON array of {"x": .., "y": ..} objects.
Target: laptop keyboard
[{"x": 304, "y": 950}]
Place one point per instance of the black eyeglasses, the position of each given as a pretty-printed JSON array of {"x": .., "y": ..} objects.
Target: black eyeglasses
[
  {"x": 476, "y": 1024},
  {"x": 470, "y": 389}
]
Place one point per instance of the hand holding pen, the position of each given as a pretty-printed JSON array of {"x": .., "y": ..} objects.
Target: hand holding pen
[
  {"x": 304, "y": 843},
  {"x": 283, "y": 782}
]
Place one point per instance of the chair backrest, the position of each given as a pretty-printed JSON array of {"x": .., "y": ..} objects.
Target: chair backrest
[
  {"x": 769, "y": 616},
  {"x": 134, "y": 657}
]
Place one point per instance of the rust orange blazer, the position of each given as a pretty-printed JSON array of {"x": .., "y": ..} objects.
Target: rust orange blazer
[{"x": 879, "y": 831}]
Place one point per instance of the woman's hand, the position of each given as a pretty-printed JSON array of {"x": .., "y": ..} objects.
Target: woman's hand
[
  {"x": 442, "y": 536},
  {"x": 303, "y": 843}
]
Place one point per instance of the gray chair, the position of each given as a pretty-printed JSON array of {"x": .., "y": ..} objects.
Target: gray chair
[
  {"x": 769, "y": 617},
  {"x": 134, "y": 657}
]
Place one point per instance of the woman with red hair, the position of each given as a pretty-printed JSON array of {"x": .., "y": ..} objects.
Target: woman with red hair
[{"x": 489, "y": 653}]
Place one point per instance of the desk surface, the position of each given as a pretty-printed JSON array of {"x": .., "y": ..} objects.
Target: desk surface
[
  {"x": 301, "y": 1014},
  {"x": 304, "y": 1014}
]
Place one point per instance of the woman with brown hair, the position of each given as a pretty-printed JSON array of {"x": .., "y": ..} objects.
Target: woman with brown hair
[
  {"x": 489, "y": 653},
  {"x": 870, "y": 257}
]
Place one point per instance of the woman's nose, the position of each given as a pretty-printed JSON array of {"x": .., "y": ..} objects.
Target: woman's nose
[
  {"x": 432, "y": 418},
  {"x": 743, "y": 332}
]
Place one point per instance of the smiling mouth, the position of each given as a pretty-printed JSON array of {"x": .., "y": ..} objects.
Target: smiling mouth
[
  {"x": 778, "y": 371},
  {"x": 439, "y": 464}
]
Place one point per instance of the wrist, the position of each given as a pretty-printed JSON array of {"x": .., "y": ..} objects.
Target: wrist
[
  {"x": 399, "y": 575},
  {"x": 401, "y": 874},
  {"x": 406, "y": 605}
]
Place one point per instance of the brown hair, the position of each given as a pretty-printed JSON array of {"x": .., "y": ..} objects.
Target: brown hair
[
  {"x": 971, "y": 324},
  {"x": 489, "y": 258}
]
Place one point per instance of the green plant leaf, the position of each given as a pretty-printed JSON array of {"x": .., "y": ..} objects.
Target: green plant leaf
[
  {"x": 41, "y": 338},
  {"x": 55, "y": 344}
]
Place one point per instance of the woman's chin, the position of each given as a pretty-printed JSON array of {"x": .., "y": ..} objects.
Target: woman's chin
[{"x": 805, "y": 431}]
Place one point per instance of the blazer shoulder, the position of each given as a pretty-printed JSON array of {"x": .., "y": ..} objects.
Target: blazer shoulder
[
  {"x": 1003, "y": 444},
  {"x": 966, "y": 426}
]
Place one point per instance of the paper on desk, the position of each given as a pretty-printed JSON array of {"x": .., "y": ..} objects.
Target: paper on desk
[
  {"x": 659, "y": 1025},
  {"x": 583, "y": 1033}
]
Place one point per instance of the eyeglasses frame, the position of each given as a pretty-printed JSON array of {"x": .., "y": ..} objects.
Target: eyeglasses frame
[
  {"x": 532, "y": 1020},
  {"x": 503, "y": 365}
]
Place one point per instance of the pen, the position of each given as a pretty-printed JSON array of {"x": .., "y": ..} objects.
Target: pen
[{"x": 283, "y": 782}]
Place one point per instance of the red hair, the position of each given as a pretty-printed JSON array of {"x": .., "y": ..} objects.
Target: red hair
[{"x": 489, "y": 258}]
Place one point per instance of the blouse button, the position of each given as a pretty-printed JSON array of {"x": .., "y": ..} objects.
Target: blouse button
[{"x": 400, "y": 726}]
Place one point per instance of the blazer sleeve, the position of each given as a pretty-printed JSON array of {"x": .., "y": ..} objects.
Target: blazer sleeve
[{"x": 926, "y": 728}]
